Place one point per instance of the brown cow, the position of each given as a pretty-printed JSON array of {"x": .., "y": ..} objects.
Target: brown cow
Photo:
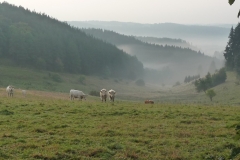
[{"x": 149, "y": 102}]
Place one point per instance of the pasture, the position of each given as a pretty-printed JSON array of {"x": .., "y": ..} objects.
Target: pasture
[{"x": 47, "y": 125}]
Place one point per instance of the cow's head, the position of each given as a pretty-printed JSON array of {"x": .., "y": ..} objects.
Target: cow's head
[{"x": 103, "y": 91}]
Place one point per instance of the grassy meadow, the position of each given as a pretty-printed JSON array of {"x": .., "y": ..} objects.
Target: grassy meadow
[
  {"x": 182, "y": 124},
  {"x": 46, "y": 125}
]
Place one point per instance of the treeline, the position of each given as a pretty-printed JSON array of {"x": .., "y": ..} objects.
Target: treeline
[
  {"x": 191, "y": 78},
  {"x": 231, "y": 53},
  {"x": 161, "y": 40},
  {"x": 119, "y": 39},
  {"x": 168, "y": 41},
  {"x": 36, "y": 40},
  {"x": 211, "y": 80},
  {"x": 147, "y": 51}
]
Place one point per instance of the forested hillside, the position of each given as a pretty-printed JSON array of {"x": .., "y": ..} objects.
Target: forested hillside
[
  {"x": 174, "y": 62},
  {"x": 167, "y": 41},
  {"x": 208, "y": 38},
  {"x": 36, "y": 40}
]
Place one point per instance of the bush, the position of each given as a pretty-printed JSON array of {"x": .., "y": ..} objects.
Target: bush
[
  {"x": 210, "y": 93},
  {"x": 94, "y": 93},
  {"x": 82, "y": 79},
  {"x": 140, "y": 82},
  {"x": 219, "y": 77},
  {"x": 203, "y": 84},
  {"x": 55, "y": 77}
]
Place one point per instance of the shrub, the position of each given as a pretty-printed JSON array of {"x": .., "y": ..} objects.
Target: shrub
[
  {"x": 55, "y": 77},
  {"x": 82, "y": 79},
  {"x": 219, "y": 77},
  {"x": 202, "y": 84}
]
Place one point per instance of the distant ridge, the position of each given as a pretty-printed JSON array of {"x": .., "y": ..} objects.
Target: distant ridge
[
  {"x": 175, "y": 60},
  {"x": 206, "y": 37},
  {"x": 170, "y": 30}
]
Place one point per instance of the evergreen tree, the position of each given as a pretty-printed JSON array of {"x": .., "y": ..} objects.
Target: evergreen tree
[
  {"x": 228, "y": 53},
  {"x": 236, "y": 49}
]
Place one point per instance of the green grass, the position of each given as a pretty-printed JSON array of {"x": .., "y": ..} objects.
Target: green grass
[
  {"x": 32, "y": 80},
  {"x": 45, "y": 81},
  {"x": 182, "y": 124},
  {"x": 47, "y": 125}
]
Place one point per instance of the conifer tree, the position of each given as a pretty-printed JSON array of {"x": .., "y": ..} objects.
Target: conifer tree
[{"x": 228, "y": 53}]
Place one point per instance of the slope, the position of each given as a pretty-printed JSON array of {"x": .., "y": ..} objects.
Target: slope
[
  {"x": 208, "y": 38},
  {"x": 174, "y": 62},
  {"x": 38, "y": 41},
  {"x": 226, "y": 93}
]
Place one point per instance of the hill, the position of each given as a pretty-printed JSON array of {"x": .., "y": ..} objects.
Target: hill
[
  {"x": 60, "y": 83},
  {"x": 35, "y": 40},
  {"x": 167, "y": 41},
  {"x": 40, "y": 80},
  {"x": 227, "y": 93},
  {"x": 166, "y": 64},
  {"x": 208, "y": 38}
]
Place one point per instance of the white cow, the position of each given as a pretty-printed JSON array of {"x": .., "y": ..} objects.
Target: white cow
[
  {"x": 77, "y": 94},
  {"x": 111, "y": 94},
  {"x": 10, "y": 90},
  {"x": 103, "y": 94},
  {"x": 24, "y": 92}
]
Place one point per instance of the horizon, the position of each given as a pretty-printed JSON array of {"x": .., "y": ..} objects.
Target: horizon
[
  {"x": 144, "y": 12},
  {"x": 193, "y": 24}
]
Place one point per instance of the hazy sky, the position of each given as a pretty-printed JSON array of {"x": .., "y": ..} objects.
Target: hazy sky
[{"x": 141, "y": 11}]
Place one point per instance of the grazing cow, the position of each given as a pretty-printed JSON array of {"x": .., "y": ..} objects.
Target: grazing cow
[
  {"x": 149, "y": 102},
  {"x": 77, "y": 94},
  {"x": 10, "y": 90},
  {"x": 111, "y": 94},
  {"x": 24, "y": 93},
  {"x": 103, "y": 95}
]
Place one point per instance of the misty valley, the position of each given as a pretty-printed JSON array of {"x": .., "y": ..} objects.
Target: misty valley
[{"x": 117, "y": 90}]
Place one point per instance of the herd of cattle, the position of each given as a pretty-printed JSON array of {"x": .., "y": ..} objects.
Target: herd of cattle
[
  {"x": 103, "y": 94},
  {"x": 79, "y": 94},
  {"x": 73, "y": 94}
]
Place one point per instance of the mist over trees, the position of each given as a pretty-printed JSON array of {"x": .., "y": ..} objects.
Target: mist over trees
[
  {"x": 167, "y": 41},
  {"x": 163, "y": 63},
  {"x": 38, "y": 41},
  {"x": 206, "y": 37}
]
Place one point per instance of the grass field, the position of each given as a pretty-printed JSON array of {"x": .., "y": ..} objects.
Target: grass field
[
  {"x": 182, "y": 124},
  {"x": 46, "y": 125}
]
